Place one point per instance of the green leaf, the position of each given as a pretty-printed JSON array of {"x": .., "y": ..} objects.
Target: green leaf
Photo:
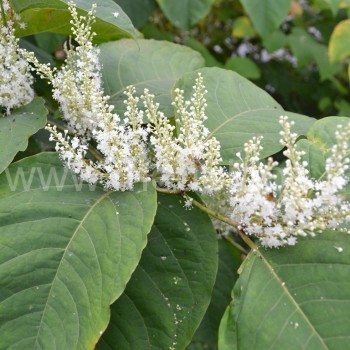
[
  {"x": 16, "y": 128},
  {"x": 314, "y": 156},
  {"x": 67, "y": 252},
  {"x": 50, "y": 42},
  {"x": 293, "y": 298},
  {"x": 151, "y": 64},
  {"x": 184, "y": 14},
  {"x": 242, "y": 28},
  {"x": 343, "y": 107},
  {"x": 53, "y": 16},
  {"x": 238, "y": 110},
  {"x": 206, "y": 336},
  {"x": 138, "y": 10},
  {"x": 210, "y": 60},
  {"x": 320, "y": 139},
  {"x": 275, "y": 41},
  {"x": 243, "y": 66},
  {"x": 170, "y": 290},
  {"x": 326, "y": 68},
  {"x": 318, "y": 145},
  {"x": 332, "y": 5},
  {"x": 339, "y": 48},
  {"x": 266, "y": 15},
  {"x": 298, "y": 40},
  {"x": 227, "y": 330},
  {"x": 152, "y": 31}
]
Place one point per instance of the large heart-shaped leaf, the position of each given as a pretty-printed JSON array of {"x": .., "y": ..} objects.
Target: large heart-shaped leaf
[
  {"x": 171, "y": 288},
  {"x": 185, "y": 14},
  {"x": 16, "y": 128},
  {"x": 266, "y": 15},
  {"x": 151, "y": 64},
  {"x": 53, "y": 16},
  {"x": 238, "y": 110},
  {"x": 67, "y": 251},
  {"x": 293, "y": 298}
]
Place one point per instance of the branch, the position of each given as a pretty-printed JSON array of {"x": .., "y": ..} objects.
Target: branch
[
  {"x": 228, "y": 221},
  {"x": 167, "y": 191},
  {"x": 218, "y": 216}
]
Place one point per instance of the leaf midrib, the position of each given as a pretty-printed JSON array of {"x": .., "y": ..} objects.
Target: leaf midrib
[{"x": 293, "y": 301}]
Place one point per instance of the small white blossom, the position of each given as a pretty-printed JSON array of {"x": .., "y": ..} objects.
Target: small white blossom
[
  {"x": 78, "y": 89},
  {"x": 15, "y": 78},
  {"x": 190, "y": 161},
  {"x": 72, "y": 153},
  {"x": 277, "y": 214},
  {"x": 77, "y": 85}
]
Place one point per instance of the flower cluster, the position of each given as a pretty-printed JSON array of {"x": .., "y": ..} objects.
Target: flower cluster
[
  {"x": 187, "y": 162},
  {"x": 78, "y": 89},
  {"x": 77, "y": 85},
  {"x": 185, "y": 157},
  {"x": 191, "y": 160},
  {"x": 15, "y": 78},
  {"x": 300, "y": 205}
]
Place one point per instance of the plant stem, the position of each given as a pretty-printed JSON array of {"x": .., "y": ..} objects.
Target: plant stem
[
  {"x": 215, "y": 214},
  {"x": 228, "y": 221},
  {"x": 218, "y": 216},
  {"x": 167, "y": 191}
]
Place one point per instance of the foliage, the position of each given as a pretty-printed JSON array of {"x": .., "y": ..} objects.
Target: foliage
[{"x": 148, "y": 265}]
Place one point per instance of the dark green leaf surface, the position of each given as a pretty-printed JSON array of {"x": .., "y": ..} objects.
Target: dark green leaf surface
[
  {"x": 266, "y": 15},
  {"x": 333, "y": 5},
  {"x": 238, "y": 110},
  {"x": 15, "y": 129},
  {"x": 40, "y": 54},
  {"x": 155, "y": 65},
  {"x": 294, "y": 298},
  {"x": 138, "y": 10},
  {"x": 206, "y": 336},
  {"x": 53, "y": 16},
  {"x": 67, "y": 251},
  {"x": 171, "y": 288},
  {"x": 185, "y": 13}
]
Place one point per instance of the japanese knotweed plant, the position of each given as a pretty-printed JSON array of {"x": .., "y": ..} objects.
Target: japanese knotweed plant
[{"x": 184, "y": 159}]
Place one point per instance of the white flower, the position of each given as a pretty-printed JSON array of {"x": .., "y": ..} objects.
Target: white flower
[
  {"x": 78, "y": 89},
  {"x": 277, "y": 214},
  {"x": 190, "y": 161},
  {"x": 15, "y": 78}
]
